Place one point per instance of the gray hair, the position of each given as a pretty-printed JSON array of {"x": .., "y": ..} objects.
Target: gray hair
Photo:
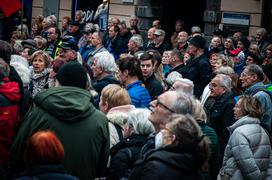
[
  {"x": 137, "y": 39},
  {"x": 106, "y": 62},
  {"x": 179, "y": 54},
  {"x": 254, "y": 69},
  {"x": 172, "y": 77},
  {"x": 49, "y": 21},
  {"x": 262, "y": 30},
  {"x": 53, "y": 18},
  {"x": 186, "y": 85},
  {"x": 184, "y": 103},
  {"x": 195, "y": 29},
  {"x": 225, "y": 70},
  {"x": 25, "y": 29},
  {"x": 225, "y": 81},
  {"x": 138, "y": 120},
  {"x": 81, "y": 12}
]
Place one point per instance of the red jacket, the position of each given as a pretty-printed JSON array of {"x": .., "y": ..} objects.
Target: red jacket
[{"x": 9, "y": 116}]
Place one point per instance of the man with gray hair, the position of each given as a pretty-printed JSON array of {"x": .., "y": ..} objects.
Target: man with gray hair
[
  {"x": 167, "y": 104},
  {"x": 183, "y": 84},
  {"x": 104, "y": 69},
  {"x": 219, "y": 108},
  {"x": 163, "y": 107},
  {"x": 135, "y": 44},
  {"x": 251, "y": 79},
  {"x": 196, "y": 31},
  {"x": 261, "y": 40},
  {"x": 159, "y": 43},
  {"x": 176, "y": 62},
  {"x": 96, "y": 41}
]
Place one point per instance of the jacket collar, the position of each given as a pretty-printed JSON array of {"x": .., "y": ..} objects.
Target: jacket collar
[
  {"x": 243, "y": 121},
  {"x": 133, "y": 84},
  {"x": 254, "y": 87}
]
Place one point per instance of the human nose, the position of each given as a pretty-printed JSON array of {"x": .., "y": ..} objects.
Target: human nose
[{"x": 153, "y": 103}]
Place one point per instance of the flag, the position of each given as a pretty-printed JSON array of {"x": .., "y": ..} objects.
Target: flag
[{"x": 10, "y": 6}]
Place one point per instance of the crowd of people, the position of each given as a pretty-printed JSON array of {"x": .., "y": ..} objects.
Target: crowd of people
[{"x": 82, "y": 102}]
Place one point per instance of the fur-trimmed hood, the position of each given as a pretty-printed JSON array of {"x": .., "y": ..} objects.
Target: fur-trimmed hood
[
  {"x": 118, "y": 115},
  {"x": 20, "y": 64}
]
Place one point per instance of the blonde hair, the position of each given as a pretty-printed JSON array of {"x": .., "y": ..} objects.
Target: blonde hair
[
  {"x": 45, "y": 56},
  {"x": 199, "y": 113},
  {"x": 115, "y": 96}
]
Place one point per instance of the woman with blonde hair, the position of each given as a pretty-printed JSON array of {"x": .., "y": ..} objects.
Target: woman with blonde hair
[
  {"x": 115, "y": 102},
  {"x": 247, "y": 154},
  {"x": 39, "y": 76}
]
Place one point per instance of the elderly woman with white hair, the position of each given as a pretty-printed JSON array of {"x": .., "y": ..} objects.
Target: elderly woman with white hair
[{"x": 125, "y": 153}]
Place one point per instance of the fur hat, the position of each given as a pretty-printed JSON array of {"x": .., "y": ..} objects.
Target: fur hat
[{"x": 72, "y": 74}]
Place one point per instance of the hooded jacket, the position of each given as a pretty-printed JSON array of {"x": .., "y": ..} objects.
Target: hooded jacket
[
  {"x": 82, "y": 130},
  {"x": 9, "y": 116}
]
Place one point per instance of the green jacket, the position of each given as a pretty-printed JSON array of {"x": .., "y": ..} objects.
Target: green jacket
[{"x": 82, "y": 130}]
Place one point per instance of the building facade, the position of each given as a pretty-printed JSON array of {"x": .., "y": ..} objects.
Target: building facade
[{"x": 230, "y": 15}]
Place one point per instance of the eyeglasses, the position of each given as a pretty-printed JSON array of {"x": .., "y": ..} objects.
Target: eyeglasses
[{"x": 158, "y": 102}]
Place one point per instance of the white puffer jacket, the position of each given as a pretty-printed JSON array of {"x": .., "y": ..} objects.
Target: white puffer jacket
[{"x": 247, "y": 154}]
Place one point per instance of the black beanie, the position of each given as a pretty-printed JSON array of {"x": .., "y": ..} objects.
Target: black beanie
[
  {"x": 198, "y": 41},
  {"x": 245, "y": 42},
  {"x": 72, "y": 74}
]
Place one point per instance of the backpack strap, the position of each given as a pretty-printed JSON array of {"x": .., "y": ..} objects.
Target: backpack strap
[{"x": 119, "y": 131}]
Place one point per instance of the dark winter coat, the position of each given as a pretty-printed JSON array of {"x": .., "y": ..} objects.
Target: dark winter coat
[
  {"x": 124, "y": 155},
  {"x": 220, "y": 116},
  {"x": 100, "y": 84},
  {"x": 82, "y": 130},
  {"x": 214, "y": 161},
  {"x": 166, "y": 163},
  {"x": 45, "y": 172},
  {"x": 153, "y": 87},
  {"x": 180, "y": 69},
  {"x": 199, "y": 71}
]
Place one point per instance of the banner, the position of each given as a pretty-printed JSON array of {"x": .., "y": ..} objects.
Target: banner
[{"x": 10, "y": 6}]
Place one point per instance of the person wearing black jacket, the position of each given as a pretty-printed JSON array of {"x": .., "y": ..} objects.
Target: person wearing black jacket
[
  {"x": 219, "y": 108},
  {"x": 152, "y": 85},
  {"x": 181, "y": 152},
  {"x": 176, "y": 62},
  {"x": 198, "y": 69}
]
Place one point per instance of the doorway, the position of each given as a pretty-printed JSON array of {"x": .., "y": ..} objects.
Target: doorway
[
  {"x": 191, "y": 12},
  {"x": 267, "y": 16}
]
